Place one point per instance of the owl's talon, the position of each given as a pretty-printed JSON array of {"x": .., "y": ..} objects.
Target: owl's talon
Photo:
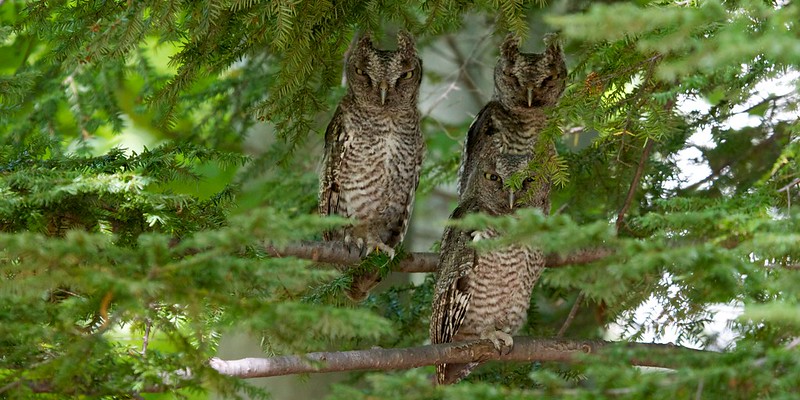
[
  {"x": 373, "y": 248},
  {"x": 502, "y": 341},
  {"x": 386, "y": 249}
]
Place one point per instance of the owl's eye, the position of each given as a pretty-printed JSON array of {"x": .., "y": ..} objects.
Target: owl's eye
[
  {"x": 492, "y": 177},
  {"x": 528, "y": 180},
  {"x": 408, "y": 74},
  {"x": 360, "y": 71}
]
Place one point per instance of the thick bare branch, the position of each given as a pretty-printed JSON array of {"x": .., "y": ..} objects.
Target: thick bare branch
[
  {"x": 581, "y": 257},
  {"x": 333, "y": 253},
  {"x": 525, "y": 350}
]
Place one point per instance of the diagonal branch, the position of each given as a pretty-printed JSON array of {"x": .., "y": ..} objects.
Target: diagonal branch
[
  {"x": 525, "y": 350},
  {"x": 334, "y": 253},
  {"x": 634, "y": 184},
  {"x": 571, "y": 316}
]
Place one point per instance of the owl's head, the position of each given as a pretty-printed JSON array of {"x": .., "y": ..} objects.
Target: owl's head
[
  {"x": 384, "y": 78},
  {"x": 526, "y": 80},
  {"x": 502, "y": 183}
]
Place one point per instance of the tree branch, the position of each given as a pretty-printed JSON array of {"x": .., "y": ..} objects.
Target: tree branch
[
  {"x": 572, "y": 312},
  {"x": 634, "y": 184},
  {"x": 335, "y": 253},
  {"x": 525, "y": 350}
]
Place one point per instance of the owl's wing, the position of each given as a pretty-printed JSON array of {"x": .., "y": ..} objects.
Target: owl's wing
[
  {"x": 331, "y": 165},
  {"x": 420, "y": 153},
  {"x": 477, "y": 138},
  {"x": 451, "y": 296}
]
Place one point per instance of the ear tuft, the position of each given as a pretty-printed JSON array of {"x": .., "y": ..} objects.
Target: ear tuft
[
  {"x": 510, "y": 47},
  {"x": 553, "y": 44},
  {"x": 405, "y": 42},
  {"x": 365, "y": 41}
]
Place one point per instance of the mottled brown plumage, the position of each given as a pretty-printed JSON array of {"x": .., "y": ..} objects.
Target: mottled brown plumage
[
  {"x": 525, "y": 86},
  {"x": 484, "y": 296},
  {"x": 373, "y": 151}
]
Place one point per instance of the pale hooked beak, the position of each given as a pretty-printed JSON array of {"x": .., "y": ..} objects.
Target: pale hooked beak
[
  {"x": 530, "y": 97},
  {"x": 510, "y": 199},
  {"x": 384, "y": 87}
]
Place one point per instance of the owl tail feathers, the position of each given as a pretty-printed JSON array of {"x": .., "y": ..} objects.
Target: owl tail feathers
[
  {"x": 362, "y": 284},
  {"x": 448, "y": 374}
]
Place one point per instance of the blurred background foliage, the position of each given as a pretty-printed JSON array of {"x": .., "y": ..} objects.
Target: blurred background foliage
[{"x": 149, "y": 148}]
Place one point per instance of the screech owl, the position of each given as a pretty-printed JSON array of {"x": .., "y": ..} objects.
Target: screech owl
[
  {"x": 373, "y": 151},
  {"x": 484, "y": 296},
  {"x": 525, "y": 86}
]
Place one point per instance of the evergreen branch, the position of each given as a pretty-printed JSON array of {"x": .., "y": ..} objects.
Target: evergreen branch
[
  {"x": 334, "y": 253},
  {"x": 525, "y": 350}
]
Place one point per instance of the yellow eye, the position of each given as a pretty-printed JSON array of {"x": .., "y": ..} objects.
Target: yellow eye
[
  {"x": 408, "y": 74},
  {"x": 528, "y": 180},
  {"x": 360, "y": 71},
  {"x": 491, "y": 177}
]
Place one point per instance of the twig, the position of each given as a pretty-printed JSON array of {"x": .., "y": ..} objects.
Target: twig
[
  {"x": 148, "y": 323},
  {"x": 789, "y": 186},
  {"x": 571, "y": 315},
  {"x": 719, "y": 169},
  {"x": 334, "y": 253},
  {"x": 634, "y": 184},
  {"x": 525, "y": 350},
  {"x": 698, "y": 394},
  {"x": 460, "y": 74},
  {"x": 463, "y": 70},
  {"x": 104, "y": 304}
]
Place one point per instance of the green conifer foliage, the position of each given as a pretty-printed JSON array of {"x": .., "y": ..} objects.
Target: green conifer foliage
[{"x": 149, "y": 150}]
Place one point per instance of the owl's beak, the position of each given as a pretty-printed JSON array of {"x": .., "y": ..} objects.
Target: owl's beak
[
  {"x": 511, "y": 199},
  {"x": 530, "y": 97},
  {"x": 384, "y": 88}
]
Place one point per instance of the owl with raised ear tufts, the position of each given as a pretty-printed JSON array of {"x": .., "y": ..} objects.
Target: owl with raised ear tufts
[
  {"x": 373, "y": 151},
  {"x": 484, "y": 295},
  {"x": 525, "y": 86}
]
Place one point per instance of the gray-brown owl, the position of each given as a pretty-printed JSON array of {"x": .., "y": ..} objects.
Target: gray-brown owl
[
  {"x": 373, "y": 151},
  {"x": 525, "y": 85},
  {"x": 484, "y": 296}
]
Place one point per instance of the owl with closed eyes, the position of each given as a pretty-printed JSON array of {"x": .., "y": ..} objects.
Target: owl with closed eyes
[
  {"x": 526, "y": 85},
  {"x": 485, "y": 295},
  {"x": 373, "y": 151}
]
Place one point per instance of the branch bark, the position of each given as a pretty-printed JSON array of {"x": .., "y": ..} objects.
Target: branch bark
[
  {"x": 334, "y": 253},
  {"x": 525, "y": 350}
]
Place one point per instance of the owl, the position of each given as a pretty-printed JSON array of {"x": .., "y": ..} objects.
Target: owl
[
  {"x": 525, "y": 86},
  {"x": 486, "y": 295},
  {"x": 373, "y": 151}
]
